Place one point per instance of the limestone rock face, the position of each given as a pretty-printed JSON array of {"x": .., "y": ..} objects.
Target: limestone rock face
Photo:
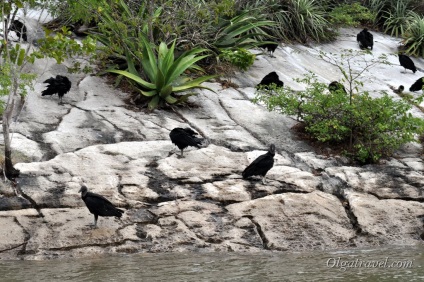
[
  {"x": 387, "y": 221},
  {"x": 298, "y": 222},
  {"x": 200, "y": 202}
]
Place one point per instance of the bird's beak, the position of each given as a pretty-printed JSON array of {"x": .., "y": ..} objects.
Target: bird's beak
[{"x": 80, "y": 190}]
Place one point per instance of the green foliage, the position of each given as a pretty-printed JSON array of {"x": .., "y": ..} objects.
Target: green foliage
[
  {"x": 306, "y": 19},
  {"x": 120, "y": 29},
  {"x": 351, "y": 15},
  {"x": 238, "y": 57},
  {"x": 165, "y": 73},
  {"x": 239, "y": 32},
  {"x": 14, "y": 80},
  {"x": 299, "y": 20},
  {"x": 381, "y": 126},
  {"x": 377, "y": 126},
  {"x": 398, "y": 19},
  {"x": 414, "y": 37},
  {"x": 60, "y": 46}
]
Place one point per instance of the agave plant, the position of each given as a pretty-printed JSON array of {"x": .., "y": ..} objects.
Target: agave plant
[{"x": 165, "y": 73}]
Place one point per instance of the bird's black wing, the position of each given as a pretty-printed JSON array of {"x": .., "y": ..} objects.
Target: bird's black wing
[
  {"x": 180, "y": 137},
  {"x": 190, "y": 131},
  {"x": 418, "y": 85},
  {"x": 97, "y": 204},
  {"x": 259, "y": 166},
  {"x": 50, "y": 80}
]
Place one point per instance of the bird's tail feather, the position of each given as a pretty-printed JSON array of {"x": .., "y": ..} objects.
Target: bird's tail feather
[{"x": 48, "y": 91}]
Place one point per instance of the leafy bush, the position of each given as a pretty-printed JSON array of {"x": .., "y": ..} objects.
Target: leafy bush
[
  {"x": 386, "y": 9},
  {"x": 351, "y": 15},
  {"x": 239, "y": 32},
  {"x": 414, "y": 37},
  {"x": 376, "y": 127},
  {"x": 299, "y": 20},
  {"x": 238, "y": 57},
  {"x": 303, "y": 20},
  {"x": 165, "y": 73},
  {"x": 398, "y": 19}
]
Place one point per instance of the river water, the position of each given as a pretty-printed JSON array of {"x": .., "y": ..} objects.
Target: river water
[{"x": 382, "y": 264}]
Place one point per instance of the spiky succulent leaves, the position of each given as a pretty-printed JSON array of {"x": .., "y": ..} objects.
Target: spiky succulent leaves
[
  {"x": 139, "y": 80},
  {"x": 166, "y": 74},
  {"x": 148, "y": 61},
  {"x": 154, "y": 102}
]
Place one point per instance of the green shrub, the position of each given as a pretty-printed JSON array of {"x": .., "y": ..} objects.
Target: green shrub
[
  {"x": 298, "y": 20},
  {"x": 238, "y": 57},
  {"x": 414, "y": 37},
  {"x": 374, "y": 127},
  {"x": 389, "y": 13},
  {"x": 351, "y": 15},
  {"x": 398, "y": 19},
  {"x": 239, "y": 32}
]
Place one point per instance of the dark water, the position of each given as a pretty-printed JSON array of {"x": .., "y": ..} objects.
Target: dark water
[{"x": 314, "y": 266}]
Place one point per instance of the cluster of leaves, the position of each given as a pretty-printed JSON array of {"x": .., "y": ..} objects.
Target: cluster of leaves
[
  {"x": 193, "y": 28},
  {"x": 413, "y": 37},
  {"x": 238, "y": 57},
  {"x": 298, "y": 20},
  {"x": 375, "y": 127},
  {"x": 400, "y": 18},
  {"x": 165, "y": 73},
  {"x": 353, "y": 14}
]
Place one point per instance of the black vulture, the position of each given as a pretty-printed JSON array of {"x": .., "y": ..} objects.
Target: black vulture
[
  {"x": 336, "y": 86},
  {"x": 270, "y": 47},
  {"x": 261, "y": 165},
  {"x": 365, "y": 39},
  {"x": 418, "y": 85},
  {"x": 398, "y": 90},
  {"x": 60, "y": 85},
  {"x": 99, "y": 205},
  {"x": 20, "y": 29},
  {"x": 184, "y": 137},
  {"x": 271, "y": 78},
  {"x": 407, "y": 63}
]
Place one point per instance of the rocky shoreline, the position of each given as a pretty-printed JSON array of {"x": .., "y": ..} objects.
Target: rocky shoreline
[{"x": 200, "y": 203}]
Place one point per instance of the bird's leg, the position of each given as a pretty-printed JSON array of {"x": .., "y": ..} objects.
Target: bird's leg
[
  {"x": 182, "y": 151},
  {"x": 95, "y": 220},
  {"x": 263, "y": 180}
]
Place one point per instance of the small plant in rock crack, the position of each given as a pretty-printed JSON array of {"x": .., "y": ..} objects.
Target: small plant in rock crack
[{"x": 238, "y": 57}]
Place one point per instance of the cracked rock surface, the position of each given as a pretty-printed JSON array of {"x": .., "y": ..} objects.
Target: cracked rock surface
[{"x": 200, "y": 202}]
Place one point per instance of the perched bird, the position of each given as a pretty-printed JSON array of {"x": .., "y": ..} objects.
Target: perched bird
[
  {"x": 60, "y": 85},
  {"x": 407, "y": 63},
  {"x": 270, "y": 47},
  {"x": 398, "y": 90},
  {"x": 20, "y": 29},
  {"x": 269, "y": 79},
  {"x": 365, "y": 39},
  {"x": 335, "y": 86},
  {"x": 184, "y": 137},
  {"x": 99, "y": 205},
  {"x": 418, "y": 85},
  {"x": 261, "y": 165}
]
